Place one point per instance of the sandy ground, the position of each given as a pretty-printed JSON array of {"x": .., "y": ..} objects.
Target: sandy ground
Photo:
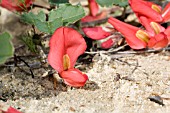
[
  {"x": 118, "y": 83},
  {"x": 140, "y": 77}
]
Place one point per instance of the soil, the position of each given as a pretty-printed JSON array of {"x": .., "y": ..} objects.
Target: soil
[
  {"x": 118, "y": 83},
  {"x": 115, "y": 85}
]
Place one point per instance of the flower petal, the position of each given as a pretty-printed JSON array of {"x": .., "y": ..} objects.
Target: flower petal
[
  {"x": 151, "y": 27},
  {"x": 159, "y": 41},
  {"x": 167, "y": 32},
  {"x": 65, "y": 41},
  {"x": 107, "y": 44},
  {"x": 166, "y": 13},
  {"x": 75, "y": 45},
  {"x": 144, "y": 8},
  {"x": 146, "y": 23},
  {"x": 96, "y": 33},
  {"x": 94, "y": 8},
  {"x": 74, "y": 77},
  {"x": 90, "y": 18},
  {"x": 129, "y": 32},
  {"x": 10, "y": 110}
]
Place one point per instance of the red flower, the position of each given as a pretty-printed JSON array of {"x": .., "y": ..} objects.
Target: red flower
[
  {"x": 66, "y": 45},
  {"x": 135, "y": 37},
  {"x": 16, "y": 5},
  {"x": 158, "y": 37},
  {"x": 150, "y": 10},
  {"x": 147, "y": 9}
]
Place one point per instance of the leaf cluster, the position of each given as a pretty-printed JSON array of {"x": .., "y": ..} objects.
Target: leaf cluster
[{"x": 63, "y": 16}]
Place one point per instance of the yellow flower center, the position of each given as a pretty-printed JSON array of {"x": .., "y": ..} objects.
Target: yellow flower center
[
  {"x": 66, "y": 62},
  {"x": 142, "y": 36},
  {"x": 156, "y": 8},
  {"x": 155, "y": 27}
]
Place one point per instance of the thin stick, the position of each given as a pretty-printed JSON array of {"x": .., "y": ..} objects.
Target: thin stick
[
  {"x": 15, "y": 57},
  {"x": 146, "y": 51},
  {"x": 110, "y": 51}
]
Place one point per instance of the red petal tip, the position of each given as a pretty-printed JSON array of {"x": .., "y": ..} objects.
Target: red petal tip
[{"x": 74, "y": 77}]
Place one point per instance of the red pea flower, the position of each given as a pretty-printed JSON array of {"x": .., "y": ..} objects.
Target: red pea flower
[
  {"x": 135, "y": 37},
  {"x": 150, "y": 10},
  {"x": 16, "y": 5},
  {"x": 138, "y": 39},
  {"x": 159, "y": 36},
  {"x": 147, "y": 9},
  {"x": 66, "y": 45}
]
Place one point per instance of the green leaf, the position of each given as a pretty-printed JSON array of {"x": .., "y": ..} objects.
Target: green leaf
[
  {"x": 49, "y": 26},
  {"x": 40, "y": 22},
  {"x": 122, "y": 3},
  {"x": 68, "y": 13},
  {"x": 30, "y": 18},
  {"x": 6, "y": 47},
  {"x": 59, "y": 1},
  {"x": 62, "y": 16}
]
